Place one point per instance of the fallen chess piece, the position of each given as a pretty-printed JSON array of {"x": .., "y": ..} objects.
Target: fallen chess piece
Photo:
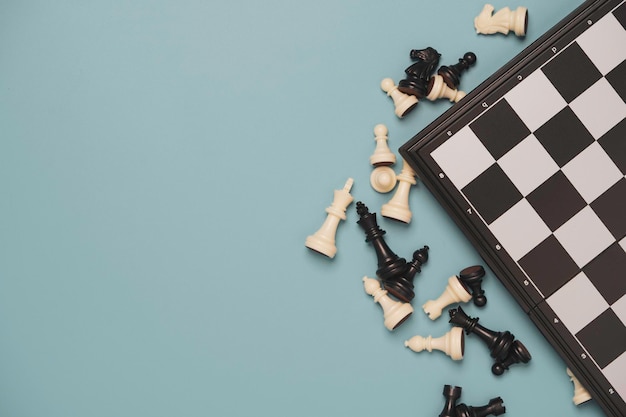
[
  {"x": 383, "y": 177},
  {"x": 451, "y": 343},
  {"x": 452, "y": 395},
  {"x": 418, "y": 73},
  {"x": 493, "y": 408},
  {"x": 503, "y": 21},
  {"x": 451, "y": 74},
  {"x": 437, "y": 88},
  {"x": 401, "y": 286},
  {"x": 472, "y": 277},
  {"x": 394, "y": 312},
  {"x": 455, "y": 292},
  {"x": 581, "y": 394},
  {"x": 403, "y": 103},
  {"x": 398, "y": 207}
]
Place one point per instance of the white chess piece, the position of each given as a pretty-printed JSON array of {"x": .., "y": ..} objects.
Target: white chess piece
[
  {"x": 437, "y": 89},
  {"x": 581, "y": 394},
  {"x": 451, "y": 343},
  {"x": 394, "y": 312},
  {"x": 323, "y": 241},
  {"x": 455, "y": 292},
  {"x": 403, "y": 103},
  {"x": 382, "y": 154},
  {"x": 502, "y": 21},
  {"x": 383, "y": 179},
  {"x": 398, "y": 207}
]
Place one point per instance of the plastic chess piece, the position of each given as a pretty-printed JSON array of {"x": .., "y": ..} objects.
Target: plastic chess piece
[
  {"x": 394, "y": 312},
  {"x": 451, "y": 343},
  {"x": 398, "y": 207},
  {"x": 383, "y": 179},
  {"x": 417, "y": 74},
  {"x": 494, "y": 408},
  {"x": 382, "y": 154},
  {"x": 452, "y": 395},
  {"x": 451, "y": 74},
  {"x": 323, "y": 241},
  {"x": 437, "y": 89},
  {"x": 581, "y": 394},
  {"x": 502, "y": 345},
  {"x": 472, "y": 276},
  {"x": 389, "y": 264},
  {"x": 503, "y": 21},
  {"x": 455, "y": 292},
  {"x": 402, "y": 285},
  {"x": 403, "y": 103}
]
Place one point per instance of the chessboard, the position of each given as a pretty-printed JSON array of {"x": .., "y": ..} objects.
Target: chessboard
[{"x": 531, "y": 165}]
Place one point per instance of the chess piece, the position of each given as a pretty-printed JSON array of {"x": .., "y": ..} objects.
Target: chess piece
[
  {"x": 472, "y": 277},
  {"x": 398, "y": 207},
  {"x": 418, "y": 73},
  {"x": 451, "y": 343},
  {"x": 502, "y": 345},
  {"x": 437, "y": 89},
  {"x": 503, "y": 21},
  {"x": 403, "y": 103},
  {"x": 390, "y": 265},
  {"x": 383, "y": 179},
  {"x": 581, "y": 394},
  {"x": 401, "y": 286},
  {"x": 323, "y": 241},
  {"x": 394, "y": 312},
  {"x": 452, "y": 395},
  {"x": 455, "y": 292},
  {"x": 382, "y": 155},
  {"x": 494, "y": 408},
  {"x": 451, "y": 74}
]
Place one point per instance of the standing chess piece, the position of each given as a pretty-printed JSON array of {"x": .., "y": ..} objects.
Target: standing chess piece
[
  {"x": 401, "y": 286},
  {"x": 383, "y": 178},
  {"x": 394, "y": 312},
  {"x": 581, "y": 394},
  {"x": 418, "y": 73},
  {"x": 323, "y": 241},
  {"x": 437, "y": 89},
  {"x": 494, "y": 408},
  {"x": 452, "y": 395},
  {"x": 451, "y": 343},
  {"x": 502, "y": 21},
  {"x": 472, "y": 277},
  {"x": 398, "y": 207},
  {"x": 451, "y": 74},
  {"x": 455, "y": 292},
  {"x": 403, "y": 103}
]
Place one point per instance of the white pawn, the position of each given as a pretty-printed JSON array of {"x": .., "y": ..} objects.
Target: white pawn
[
  {"x": 323, "y": 241},
  {"x": 398, "y": 207},
  {"x": 437, "y": 89},
  {"x": 503, "y": 21},
  {"x": 382, "y": 154},
  {"x": 451, "y": 343},
  {"x": 581, "y": 394},
  {"x": 383, "y": 179},
  {"x": 394, "y": 312},
  {"x": 404, "y": 103},
  {"x": 455, "y": 292}
]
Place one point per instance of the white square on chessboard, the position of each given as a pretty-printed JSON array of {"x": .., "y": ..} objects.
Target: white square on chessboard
[
  {"x": 569, "y": 306},
  {"x": 619, "y": 307},
  {"x": 599, "y": 107},
  {"x": 519, "y": 229},
  {"x": 584, "y": 236},
  {"x": 592, "y": 172},
  {"x": 614, "y": 372},
  {"x": 622, "y": 243},
  {"x": 528, "y": 165},
  {"x": 463, "y": 157},
  {"x": 535, "y": 100},
  {"x": 604, "y": 43}
]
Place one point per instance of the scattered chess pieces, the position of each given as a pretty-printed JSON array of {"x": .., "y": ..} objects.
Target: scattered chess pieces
[
  {"x": 451, "y": 74},
  {"x": 503, "y": 21},
  {"x": 383, "y": 178},
  {"x": 495, "y": 407},
  {"x": 398, "y": 207},
  {"x": 452, "y": 395},
  {"x": 472, "y": 277},
  {"x": 455, "y": 292},
  {"x": 502, "y": 345},
  {"x": 417, "y": 74},
  {"x": 451, "y": 343},
  {"x": 394, "y": 312},
  {"x": 323, "y": 241},
  {"x": 437, "y": 88},
  {"x": 581, "y": 394},
  {"x": 403, "y": 103}
]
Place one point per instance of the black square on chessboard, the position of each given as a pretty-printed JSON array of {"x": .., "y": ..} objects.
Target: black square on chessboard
[
  {"x": 571, "y": 72},
  {"x": 606, "y": 271},
  {"x": 617, "y": 78},
  {"x": 604, "y": 338},
  {"x": 614, "y": 144},
  {"x": 492, "y": 193},
  {"x": 549, "y": 266},
  {"x": 620, "y": 14},
  {"x": 556, "y": 200},
  {"x": 611, "y": 209},
  {"x": 564, "y": 136},
  {"x": 499, "y": 129}
]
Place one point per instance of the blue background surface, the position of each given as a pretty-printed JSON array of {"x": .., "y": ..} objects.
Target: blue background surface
[{"x": 161, "y": 164}]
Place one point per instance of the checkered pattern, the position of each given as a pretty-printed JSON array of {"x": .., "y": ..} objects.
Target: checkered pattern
[{"x": 548, "y": 178}]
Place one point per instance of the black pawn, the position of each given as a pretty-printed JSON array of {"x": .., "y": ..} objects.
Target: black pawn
[
  {"x": 472, "y": 276},
  {"x": 517, "y": 354},
  {"x": 494, "y": 408},
  {"x": 418, "y": 73},
  {"x": 452, "y": 395},
  {"x": 402, "y": 286},
  {"x": 451, "y": 74},
  {"x": 390, "y": 265}
]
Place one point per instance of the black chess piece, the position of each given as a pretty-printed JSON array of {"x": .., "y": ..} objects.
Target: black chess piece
[
  {"x": 494, "y": 408},
  {"x": 390, "y": 265},
  {"x": 451, "y": 394},
  {"x": 417, "y": 74},
  {"x": 501, "y": 344},
  {"x": 451, "y": 74},
  {"x": 472, "y": 276},
  {"x": 402, "y": 286}
]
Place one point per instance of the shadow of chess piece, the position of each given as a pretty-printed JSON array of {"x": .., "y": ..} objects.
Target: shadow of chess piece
[
  {"x": 402, "y": 286},
  {"x": 417, "y": 74}
]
